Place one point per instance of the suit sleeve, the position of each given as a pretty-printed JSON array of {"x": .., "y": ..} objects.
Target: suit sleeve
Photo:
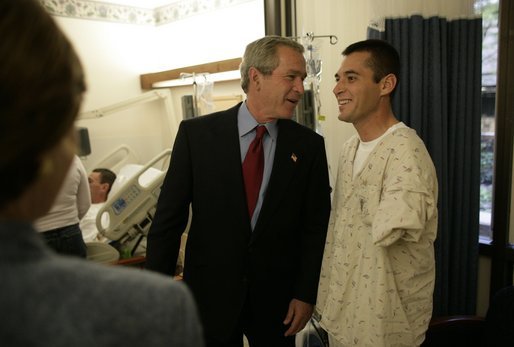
[
  {"x": 315, "y": 212},
  {"x": 172, "y": 211}
]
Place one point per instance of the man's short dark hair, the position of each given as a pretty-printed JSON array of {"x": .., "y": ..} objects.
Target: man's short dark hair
[{"x": 384, "y": 58}]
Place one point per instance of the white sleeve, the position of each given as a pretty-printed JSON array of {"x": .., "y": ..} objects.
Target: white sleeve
[{"x": 83, "y": 192}]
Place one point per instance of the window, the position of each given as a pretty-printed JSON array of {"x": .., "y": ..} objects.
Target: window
[{"x": 489, "y": 10}]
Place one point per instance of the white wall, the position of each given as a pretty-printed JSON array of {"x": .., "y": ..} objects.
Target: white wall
[
  {"x": 348, "y": 21},
  {"x": 209, "y": 37},
  {"x": 114, "y": 55}
]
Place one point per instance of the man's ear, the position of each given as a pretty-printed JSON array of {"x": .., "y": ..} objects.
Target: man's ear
[
  {"x": 388, "y": 84},
  {"x": 104, "y": 187},
  {"x": 255, "y": 77}
]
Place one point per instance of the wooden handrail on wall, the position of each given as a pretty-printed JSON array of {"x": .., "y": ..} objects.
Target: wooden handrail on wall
[{"x": 147, "y": 80}]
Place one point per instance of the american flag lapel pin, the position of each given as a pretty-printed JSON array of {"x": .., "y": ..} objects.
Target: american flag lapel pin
[{"x": 294, "y": 157}]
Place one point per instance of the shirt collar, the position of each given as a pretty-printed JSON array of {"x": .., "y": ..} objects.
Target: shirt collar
[{"x": 246, "y": 123}]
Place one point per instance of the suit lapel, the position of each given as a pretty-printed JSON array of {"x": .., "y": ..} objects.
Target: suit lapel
[
  {"x": 228, "y": 135},
  {"x": 287, "y": 153}
]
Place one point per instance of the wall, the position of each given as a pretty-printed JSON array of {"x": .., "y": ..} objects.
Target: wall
[
  {"x": 209, "y": 37},
  {"x": 330, "y": 17},
  {"x": 115, "y": 54}
]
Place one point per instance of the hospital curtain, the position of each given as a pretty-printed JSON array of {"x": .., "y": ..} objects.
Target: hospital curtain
[{"x": 439, "y": 96}]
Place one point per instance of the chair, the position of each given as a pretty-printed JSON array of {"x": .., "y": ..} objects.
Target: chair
[
  {"x": 500, "y": 319},
  {"x": 456, "y": 331}
]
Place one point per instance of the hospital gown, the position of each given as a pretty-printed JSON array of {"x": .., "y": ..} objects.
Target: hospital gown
[
  {"x": 378, "y": 271},
  {"x": 88, "y": 224}
]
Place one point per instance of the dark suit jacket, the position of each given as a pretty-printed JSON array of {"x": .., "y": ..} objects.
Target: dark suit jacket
[{"x": 225, "y": 262}]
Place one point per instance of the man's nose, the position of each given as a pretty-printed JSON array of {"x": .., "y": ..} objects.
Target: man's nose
[
  {"x": 338, "y": 88},
  {"x": 298, "y": 85}
]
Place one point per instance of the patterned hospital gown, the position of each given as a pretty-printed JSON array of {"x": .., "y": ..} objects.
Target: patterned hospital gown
[{"x": 378, "y": 271}]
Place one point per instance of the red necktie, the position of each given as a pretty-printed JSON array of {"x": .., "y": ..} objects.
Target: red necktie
[{"x": 253, "y": 168}]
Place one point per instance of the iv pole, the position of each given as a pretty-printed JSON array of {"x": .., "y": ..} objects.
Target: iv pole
[
  {"x": 311, "y": 37},
  {"x": 314, "y": 68},
  {"x": 194, "y": 75}
]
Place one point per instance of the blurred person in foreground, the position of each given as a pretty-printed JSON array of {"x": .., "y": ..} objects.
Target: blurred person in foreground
[{"x": 49, "y": 299}]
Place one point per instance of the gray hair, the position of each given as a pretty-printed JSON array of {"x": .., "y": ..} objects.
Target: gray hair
[{"x": 262, "y": 55}]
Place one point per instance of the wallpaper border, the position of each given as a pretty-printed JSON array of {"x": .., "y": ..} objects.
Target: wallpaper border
[{"x": 105, "y": 11}]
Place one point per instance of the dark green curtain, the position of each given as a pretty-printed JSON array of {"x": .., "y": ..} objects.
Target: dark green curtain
[{"x": 439, "y": 96}]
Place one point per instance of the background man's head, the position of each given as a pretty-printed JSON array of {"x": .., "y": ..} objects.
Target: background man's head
[{"x": 100, "y": 183}]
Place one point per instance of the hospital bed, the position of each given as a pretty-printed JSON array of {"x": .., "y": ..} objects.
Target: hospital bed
[
  {"x": 126, "y": 216},
  {"x": 118, "y": 158}
]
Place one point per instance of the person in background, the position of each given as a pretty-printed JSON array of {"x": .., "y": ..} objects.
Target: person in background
[
  {"x": 60, "y": 226},
  {"x": 378, "y": 271},
  {"x": 100, "y": 184},
  {"x": 253, "y": 253},
  {"x": 49, "y": 299}
]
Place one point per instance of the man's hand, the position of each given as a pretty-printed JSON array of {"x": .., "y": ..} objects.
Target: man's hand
[{"x": 298, "y": 315}]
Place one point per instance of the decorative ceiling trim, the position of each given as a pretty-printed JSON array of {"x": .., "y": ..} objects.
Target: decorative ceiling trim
[
  {"x": 105, "y": 11},
  {"x": 101, "y": 11}
]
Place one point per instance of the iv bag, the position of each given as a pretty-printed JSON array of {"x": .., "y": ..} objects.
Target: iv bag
[
  {"x": 313, "y": 61},
  {"x": 204, "y": 95}
]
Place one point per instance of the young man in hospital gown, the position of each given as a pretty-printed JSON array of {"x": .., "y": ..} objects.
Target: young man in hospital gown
[{"x": 378, "y": 270}]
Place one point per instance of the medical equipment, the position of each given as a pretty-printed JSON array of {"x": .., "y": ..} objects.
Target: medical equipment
[
  {"x": 146, "y": 136},
  {"x": 309, "y": 112},
  {"x": 101, "y": 252},
  {"x": 118, "y": 158},
  {"x": 312, "y": 335},
  {"x": 202, "y": 93},
  {"x": 147, "y": 123},
  {"x": 131, "y": 206}
]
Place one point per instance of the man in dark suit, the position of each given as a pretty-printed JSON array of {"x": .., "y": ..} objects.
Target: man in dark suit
[{"x": 252, "y": 271}]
